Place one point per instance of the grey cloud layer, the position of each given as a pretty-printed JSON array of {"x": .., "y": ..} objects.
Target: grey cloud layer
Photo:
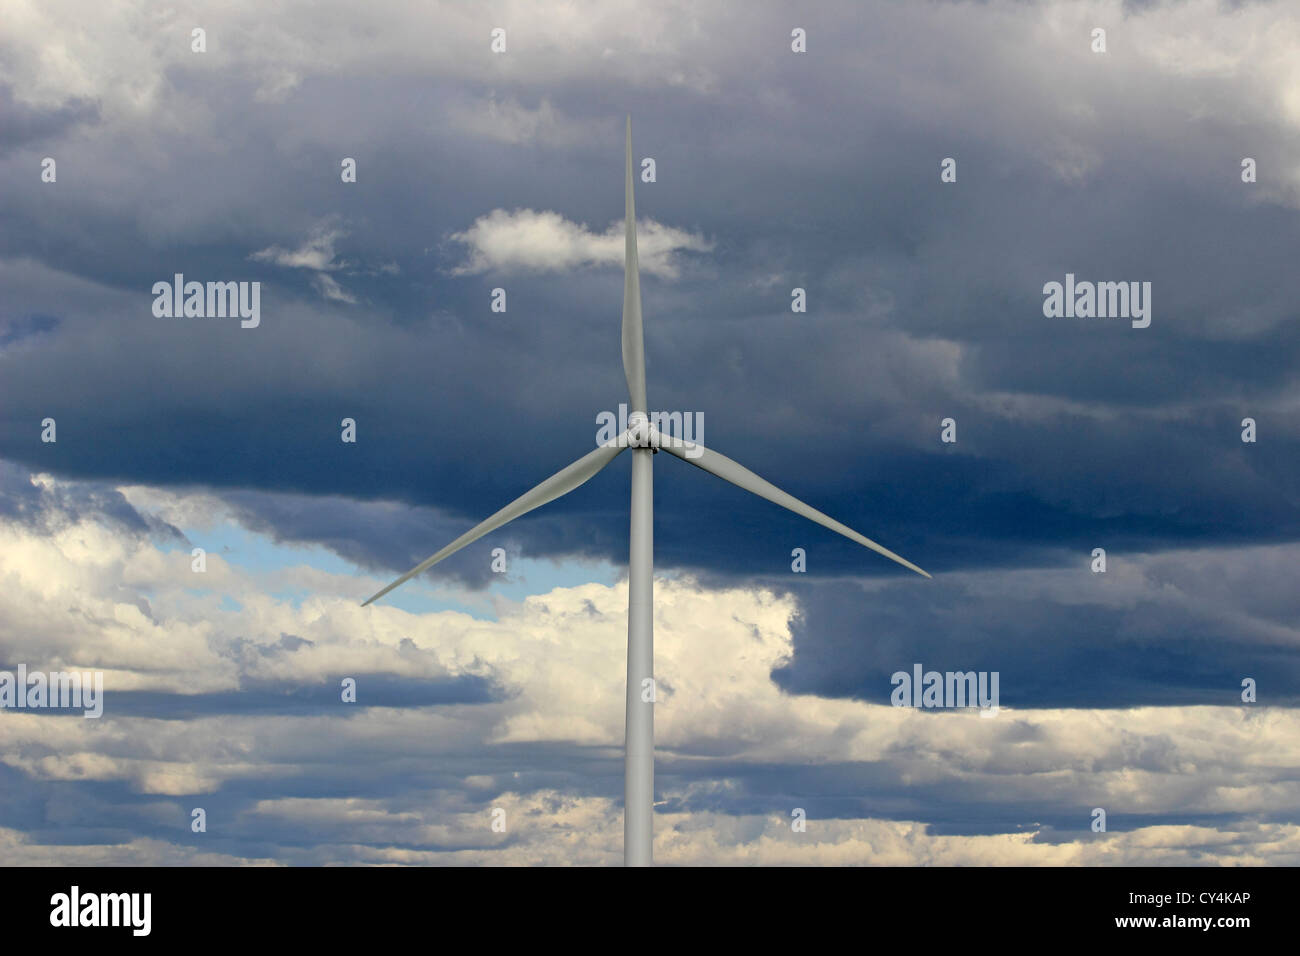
[{"x": 924, "y": 297}]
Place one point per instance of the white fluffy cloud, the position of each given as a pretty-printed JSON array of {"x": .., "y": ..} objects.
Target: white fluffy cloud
[
  {"x": 88, "y": 596},
  {"x": 534, "y": 241},
  {"x": 317, "y": 254}
]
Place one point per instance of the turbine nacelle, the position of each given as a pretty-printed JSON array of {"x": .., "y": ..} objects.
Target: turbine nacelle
[{"x": 640, "y": 433}]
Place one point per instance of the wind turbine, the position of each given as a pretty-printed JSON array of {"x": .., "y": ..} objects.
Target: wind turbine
[{"x": 644, "y": 438}]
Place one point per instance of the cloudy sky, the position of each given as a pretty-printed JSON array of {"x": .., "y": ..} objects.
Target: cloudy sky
[{"x": 774, "y": 170}]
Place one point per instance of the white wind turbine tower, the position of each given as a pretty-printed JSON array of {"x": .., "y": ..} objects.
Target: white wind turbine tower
[{"x": 644, "y": 438}]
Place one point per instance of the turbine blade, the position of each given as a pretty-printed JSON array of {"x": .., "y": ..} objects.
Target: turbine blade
[
  {"x": 736, "y": 473},
  {"x": 559, "y": 484},
  {"x": 633, "y": 340}
]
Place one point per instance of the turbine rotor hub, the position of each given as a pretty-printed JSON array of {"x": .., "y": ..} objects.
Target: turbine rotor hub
[{"x": 640, "y": 433}]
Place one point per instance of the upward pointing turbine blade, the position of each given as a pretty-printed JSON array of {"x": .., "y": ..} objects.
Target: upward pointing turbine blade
[
  {"x": 742, "y": 477},
  {"x": 633, "y": 340},
  {"x": 559, "y": 484}
]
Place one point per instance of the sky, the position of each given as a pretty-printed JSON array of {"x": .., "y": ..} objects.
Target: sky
[{"x": 821, "y": 169}]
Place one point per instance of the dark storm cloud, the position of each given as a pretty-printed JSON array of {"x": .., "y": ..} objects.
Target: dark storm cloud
[
  {"x": 26, "y": 326},
  {"x": 822, "y": 172},
  {"x": 464, "y": 409},
  {"x": 298, "y": 699},
  {"x": 1176, "y": 629},
  {"x": 53, "y": 507},
  {"x": 25, "y": 125}
]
